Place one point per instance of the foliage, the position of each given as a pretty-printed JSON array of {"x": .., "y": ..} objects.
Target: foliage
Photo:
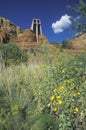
[
  {"x": 45, "y": 95},
  {"x": 66, "y": 44},
  {"x": 10, "y": 53},
  {"x": 32, "y": 51},
  {"x": 80, "y": 22}
]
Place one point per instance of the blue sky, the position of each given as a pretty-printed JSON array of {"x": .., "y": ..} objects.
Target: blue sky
[{"x": 53, "y": 14}]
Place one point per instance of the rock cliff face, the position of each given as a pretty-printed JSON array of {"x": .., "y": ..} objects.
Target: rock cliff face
[
  {"x": 27, "y": 39},
  {"x": 27, "y": 36},
  {"x": 8, "y": 31}
]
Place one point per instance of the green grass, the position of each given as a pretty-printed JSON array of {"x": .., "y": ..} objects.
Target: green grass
[{"x": 47, "y": 95}]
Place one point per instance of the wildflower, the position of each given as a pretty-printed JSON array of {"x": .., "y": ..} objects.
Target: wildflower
[
  {"x": 55, "y": 109},
  {"x": 63, "y": 71},
  {"x": 74, "y": 94},
  {"x": 58, "y": 97},
  {"x": 62, "y": 88},
  {"x": 60, "y": 102},
  {"x": 52, "y": 98},
  {"x": 78, "y": 93},
  {"x": 66, "y": 81},
  {"x": 72, "y": 85},
  {"x": 76, "y": 110}
]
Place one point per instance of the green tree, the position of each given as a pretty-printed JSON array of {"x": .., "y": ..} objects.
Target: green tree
[{"x": 79, "y": 23}]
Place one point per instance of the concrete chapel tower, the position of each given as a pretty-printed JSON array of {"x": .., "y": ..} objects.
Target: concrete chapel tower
[{"x": 36, "y": 27}]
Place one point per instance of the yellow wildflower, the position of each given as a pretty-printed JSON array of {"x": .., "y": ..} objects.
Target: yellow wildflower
[
  {"x": 66, "y": 81},
  {"x": 54, "y": 109},
  {"x": 74, "y": 94},
  {"x": 78, "y": 93},
  {"x": 63, "y": 71},
  {"x": 58, "y": 97},
  {"x": 72, "y": 85},
  {"x": 60, "y": 102},
  {"x": 52, "y": 98},
  {"x": 62, "y": 88},
  {"x": 76, "y": 110}
]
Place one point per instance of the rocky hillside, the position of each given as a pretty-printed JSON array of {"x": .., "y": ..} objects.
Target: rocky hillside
[
  {"x": 27, "y": 39},
  {"x": 8, "y": 31},
  {"x": 79, "y": 43}
]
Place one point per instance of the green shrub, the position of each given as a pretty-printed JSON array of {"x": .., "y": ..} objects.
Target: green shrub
[
  {"x": 66, "y": 45},
  {"x": 11, "y": 53}
]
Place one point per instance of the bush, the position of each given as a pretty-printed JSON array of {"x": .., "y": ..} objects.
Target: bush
[
  {"x": 66, "y": 45},
  {"x": 11, "y": 53}
]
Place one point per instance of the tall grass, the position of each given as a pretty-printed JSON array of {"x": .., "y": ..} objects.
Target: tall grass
[{"x": 48, "y": 95}]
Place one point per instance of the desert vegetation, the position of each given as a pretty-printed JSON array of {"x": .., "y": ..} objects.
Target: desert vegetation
[
  {"x": 11, "y": 54},
  {"x": 43, "y": 87},
  {"x": 46, "y": 92}
]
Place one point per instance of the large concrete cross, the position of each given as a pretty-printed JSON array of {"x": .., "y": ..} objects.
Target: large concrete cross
[{"x": 36, "y": 27}]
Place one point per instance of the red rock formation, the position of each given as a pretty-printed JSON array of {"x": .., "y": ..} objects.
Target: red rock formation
[
  {"x": 79, "y": 43},
  {"x": 8, "y": 31}
]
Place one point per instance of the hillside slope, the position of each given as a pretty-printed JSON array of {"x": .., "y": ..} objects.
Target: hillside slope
[
  {"x": 79, "y": 43},
  {"x": 8, "y": 31}
]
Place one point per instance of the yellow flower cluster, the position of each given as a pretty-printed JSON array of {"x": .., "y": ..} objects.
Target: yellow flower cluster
[
  {"x": 73, "y": 85},
  {"x": 60, "y": 102},
  {"x": 59, "y": 89},
  {"x": 55, "y": 101},
  {"x": 58, "y": 97},
  {"x": 76, "y": 94},
  {"x": 55, "y": 109},
  {"x": 76, "y": 110},
  {"x": 52, "y": 98}
]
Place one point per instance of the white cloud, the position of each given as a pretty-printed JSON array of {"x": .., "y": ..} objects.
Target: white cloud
[{"x": 60, "y": 25}]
